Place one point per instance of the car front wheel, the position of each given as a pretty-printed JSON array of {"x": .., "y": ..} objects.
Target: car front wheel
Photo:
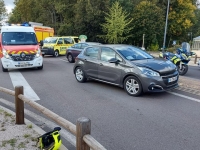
[
  {"x": 56, "y": 53},
  {"x": 80, "y": 75},
  {"x": 4, "y": 69},
  {"x": 133, "y": 86}
]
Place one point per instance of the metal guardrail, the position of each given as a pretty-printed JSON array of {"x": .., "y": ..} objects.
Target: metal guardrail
[{"x": 82, "y": 129}]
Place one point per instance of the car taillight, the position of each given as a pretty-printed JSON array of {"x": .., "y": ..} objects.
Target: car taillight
[{"x": 76, "y": 59}]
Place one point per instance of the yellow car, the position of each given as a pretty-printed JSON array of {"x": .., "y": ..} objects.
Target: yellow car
[{"x": 57, "y": 45}]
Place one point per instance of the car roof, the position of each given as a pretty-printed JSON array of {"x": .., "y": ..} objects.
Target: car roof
[
  {"x": 90, "y": 43},
  {"x": 116, "y": 45},
  {"x": 16, "y": 29}
]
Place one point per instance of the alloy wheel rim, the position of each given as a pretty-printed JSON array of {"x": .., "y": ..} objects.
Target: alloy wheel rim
[
  {"x": 132, "y": 86},
  {"x": 79, "y": 74},
  {"x": 56, "y": 54},
  {"x": 70, "y": 57}
]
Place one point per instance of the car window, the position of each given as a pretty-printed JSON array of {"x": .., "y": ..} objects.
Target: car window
[
  {"x": 68, "y": 41},
  {"x": 84, "y": 45},
  {"x": 77, "y": 46},
  {"x": 107, "y": 54},
  {"x": 119, "y": 58},
  {"x": 92, "y": 52},
  {"x": 60, "y": 41}
]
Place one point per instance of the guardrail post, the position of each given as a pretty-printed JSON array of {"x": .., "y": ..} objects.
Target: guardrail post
[
  {"x": 195, "y": 59},
  {"x": 19, "y": 105},
  {"x": 83, "y": 127}
]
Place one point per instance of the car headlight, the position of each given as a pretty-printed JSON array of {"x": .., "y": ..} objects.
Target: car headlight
[
  {"x": 38, "y": 53},
  {"x": 5, "y": 54},
  {"x": 149, "y": 72}
]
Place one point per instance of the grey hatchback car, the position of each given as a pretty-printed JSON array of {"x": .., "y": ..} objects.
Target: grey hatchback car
[{"x": 126, "y": 66}]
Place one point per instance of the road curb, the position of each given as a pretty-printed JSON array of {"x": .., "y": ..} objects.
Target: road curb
[{"x": 35, "y": 127}]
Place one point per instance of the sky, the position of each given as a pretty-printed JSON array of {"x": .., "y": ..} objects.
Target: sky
[{"x": 9, "y": 5}]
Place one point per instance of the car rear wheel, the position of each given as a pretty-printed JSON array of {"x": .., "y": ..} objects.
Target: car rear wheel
[
  {"x": 56, "y": 53},
  {"x": 70, "y": 58},
  {"x": 4, "y": 69},
  {"x": 80, "y": 75},
  {"x": 133, "y": 86}
]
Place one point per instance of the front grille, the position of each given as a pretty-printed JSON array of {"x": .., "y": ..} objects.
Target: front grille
[
  {"x": 45, "y": 47},
  {"x": 167, "y": 73},
  {"x": 28, "y": 57}
]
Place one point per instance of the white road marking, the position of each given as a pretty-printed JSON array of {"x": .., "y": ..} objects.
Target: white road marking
[
  {"x": 18, "y": 79},
  {"x": 63, "y": 60},
  {"x": 64, "y": 133},
  {"x": 186, "y": 97}
]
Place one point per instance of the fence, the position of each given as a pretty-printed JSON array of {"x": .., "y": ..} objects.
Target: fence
[{"x": 82, "y": 129}]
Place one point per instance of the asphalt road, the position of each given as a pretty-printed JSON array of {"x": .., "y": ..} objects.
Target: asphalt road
[
  {"x": 193, "y": 72},
  {"x": 160, "y": 121}
]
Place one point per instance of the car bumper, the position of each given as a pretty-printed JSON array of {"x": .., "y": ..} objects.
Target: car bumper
[
  {"x": 47, "y": 51},
  {"x": 10, "y": 64},
  {"x": 159, "y": 84}
]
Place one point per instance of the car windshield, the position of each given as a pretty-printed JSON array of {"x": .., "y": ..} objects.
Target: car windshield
[
  {"x": 133, "y": 53},
  {"x": 51, "y": 40},
  {"x": 19, "y": 38}
]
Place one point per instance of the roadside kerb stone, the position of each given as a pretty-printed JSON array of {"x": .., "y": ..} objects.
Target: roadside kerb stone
[{"x": 189, "y": 85}]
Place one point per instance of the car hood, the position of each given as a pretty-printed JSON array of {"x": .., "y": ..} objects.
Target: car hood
[
  {"x": 156, "y": 64},
  {"x": 17, "y": 49}
]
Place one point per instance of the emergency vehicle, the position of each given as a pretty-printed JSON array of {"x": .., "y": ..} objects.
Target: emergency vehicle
[
  {"x": 41, "y": 31},
  {"x": 19, "y": 48},
  {"x": 57, "y": 45}
]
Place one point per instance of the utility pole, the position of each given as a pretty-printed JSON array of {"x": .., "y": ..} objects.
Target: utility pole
[
  {"x": 166, "y": 26},
  {"x": 143, "y": 40}
]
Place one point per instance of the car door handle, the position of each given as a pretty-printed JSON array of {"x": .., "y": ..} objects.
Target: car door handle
[{"x": 100, "y": 64}]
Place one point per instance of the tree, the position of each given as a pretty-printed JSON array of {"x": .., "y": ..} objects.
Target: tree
[
  {"x": 148, "y": 19},
  {"x": 117, "y": 25},
  {"x": 181, "y": 17},
  {"x": 89, "y": 14},
  {"x": 2, "y": 9}
]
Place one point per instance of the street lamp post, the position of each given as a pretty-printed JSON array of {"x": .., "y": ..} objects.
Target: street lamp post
[
  {"x": 143, "y": 40},
  {"x": 166, "y": 27}
]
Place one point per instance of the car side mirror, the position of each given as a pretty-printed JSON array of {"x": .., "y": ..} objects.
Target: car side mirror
[
  {"x": 41, "y": 43},
  {"x": 113, "y": 60}
]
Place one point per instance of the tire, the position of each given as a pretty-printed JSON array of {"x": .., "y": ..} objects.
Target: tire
[
  {"x": 42, "y": 55},
  {"x": 56, "y": 53},
  {"x": 184, "y": 70},
  {"x": 4, "y": 69},
  {"x": 80, "y": 75},
  {"x": 133, "y": 86},
  {"x": 41, "y": 67},
  {"x": 70, "y": 58}
]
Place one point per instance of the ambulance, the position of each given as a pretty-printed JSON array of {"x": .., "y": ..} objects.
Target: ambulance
[
  {"x": 19, "y": 48},
  {"x": 57, "y": 45}
]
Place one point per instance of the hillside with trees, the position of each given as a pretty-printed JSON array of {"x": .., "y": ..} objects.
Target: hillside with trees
[{"x": 111, "y": 21}]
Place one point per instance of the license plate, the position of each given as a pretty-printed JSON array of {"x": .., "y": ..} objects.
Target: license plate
[
  {"x": 23, "y": 63},
  {"x": 172, "y": 79},
  {"x": 43, "y": 52}
]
